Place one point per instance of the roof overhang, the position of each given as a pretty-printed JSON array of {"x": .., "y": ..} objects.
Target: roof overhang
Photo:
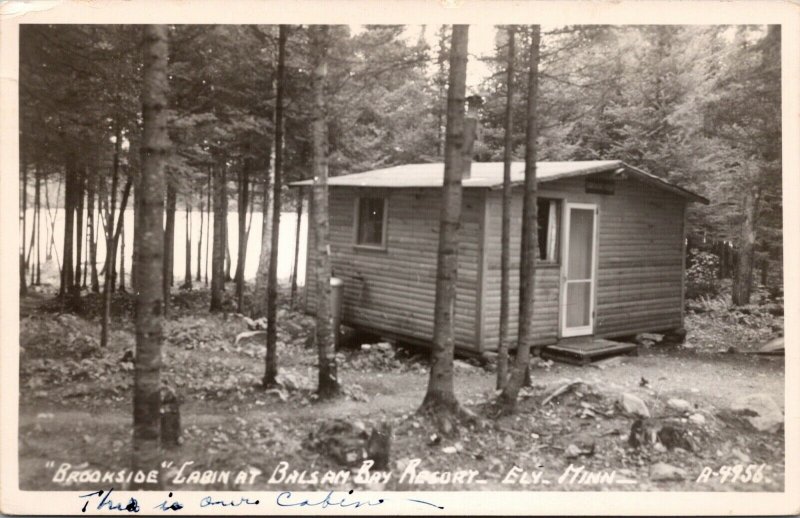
[{"x": 381, "y": 179}]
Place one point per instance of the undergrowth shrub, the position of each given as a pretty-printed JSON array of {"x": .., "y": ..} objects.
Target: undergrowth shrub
[{"x": 701, "y": 276}]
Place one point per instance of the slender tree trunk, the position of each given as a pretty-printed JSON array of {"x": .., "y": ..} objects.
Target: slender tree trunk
[
  {"x": 88, "y": 240},
  {"x": 220, "y": 220},
  {"x": 169, "y": 242},
  {"x": 38, "y": 204},
  {"x": 111, "y": 249},
  {"x": 23, "y": 282},
  {"x": 187, "y": 278},
  {"x": 111, "y": 246},
  {"x": 208, "y": 221},
  {"x": 34, "y": 242},
  {"x": 67, "y": 271},
  {"x": 527, "y": 276},
  {"x": 149, "y": 320},
  {"x": 243, "y": 192},
  {"x": 259, "y": 305},
  {"x": 505, "y": 239},
  {"x": 95, "y": 279},
  {"x": 50, "y": 221},
  {"x": 29, "y": 255},
  {"x": 328, "y": 384},
  {"x": 228, "y": 266},
  {"x": 89, "y": 257},
  {"x": 34, "y": 238},
  {"x": 81, "y": 180},
  {"x": 137, "y": 229},
  {"x": 743, "y": 281},
  {"x": 441, "y": 102},
  {"x": 271, "y": 370},
  {"x": 440, "y": 397},
  {"x": 122, "y": 252},
  {"x": 200, "y": 237},
  {"x": 298, "y": 220}
]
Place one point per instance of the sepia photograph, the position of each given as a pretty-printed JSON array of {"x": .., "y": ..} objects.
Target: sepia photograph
[{"x": 283, "y": 267}]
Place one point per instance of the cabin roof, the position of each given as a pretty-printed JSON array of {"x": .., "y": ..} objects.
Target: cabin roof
[{"x": 489, "y": 175}]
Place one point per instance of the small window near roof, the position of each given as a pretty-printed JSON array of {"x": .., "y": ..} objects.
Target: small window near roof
[
  {"x": 371, "y": 221},
  {"x": 547, "y": 229}
]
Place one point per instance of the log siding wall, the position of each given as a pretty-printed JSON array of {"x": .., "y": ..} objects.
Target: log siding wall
[{"x": 392, "y": 290}]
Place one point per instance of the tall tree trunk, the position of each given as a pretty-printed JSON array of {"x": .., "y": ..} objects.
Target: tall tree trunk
[
  {"x": 243, "y": 192},
  {"x": 259, "y": 305},
  {"x": 505, "y": 239},
  {"x": 187, "y": 277},
  {"x": 220, "y": 220},
  {"x": 441, "y": 102},
  {"x": 208, "y": 221},
  {"x": 111, "y": 248},
  {"x": 149, "y": 322},
  {"x": 29, "y": 255},
  {"x": 527, "y": 274},
  {"x": 34, "y": 240},
  {"x": 67, "y": 271},
  {"x": 228, "y": 262},
  {"x": 37, "y": 200},
  {"x": 122, "y": 252},
  {"x": 34, "y": 237},
  {"x": 87, "y": 238},
  {"x": 440, "y": 397},
  {"x": 169, "y": 242},
  {"x": 743, "y": 280},
  {"x": 81, "y": 180},
  {"x": 271, "y": 370},
  {"x": 298, "y": 220},
  {"x": 50, "y": 221},
  {"x": 23, "y": 282},
  {"x": 95, "y": 279},
  {"x": 328, "y": 384},
  {"x": 200, "y": 236}
]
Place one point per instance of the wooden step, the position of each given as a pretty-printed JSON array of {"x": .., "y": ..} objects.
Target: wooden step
[{"x": 584, "y": 351}]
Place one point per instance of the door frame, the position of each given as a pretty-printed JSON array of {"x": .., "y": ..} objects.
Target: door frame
[{"x": 588, "y": 329}]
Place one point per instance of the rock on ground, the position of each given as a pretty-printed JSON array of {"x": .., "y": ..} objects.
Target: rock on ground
[
  {"x": 760, "y": 410},
  {"x": 680, "y": 405},
  {"x": 633, "y": 405},
  {"x": 664, "y": 471},
  {"x": 697, "y": 419}
]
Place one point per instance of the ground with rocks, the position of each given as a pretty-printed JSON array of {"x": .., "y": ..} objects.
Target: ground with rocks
[{"x": 673, "y": 418}]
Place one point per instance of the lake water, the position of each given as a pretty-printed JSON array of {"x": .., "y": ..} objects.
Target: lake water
[{"x": 285, "y": 249}]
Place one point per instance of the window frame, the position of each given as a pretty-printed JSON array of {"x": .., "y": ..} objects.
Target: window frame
[
  {"x": 357, "y": 221},
  {"x": 557, "y": 235}
]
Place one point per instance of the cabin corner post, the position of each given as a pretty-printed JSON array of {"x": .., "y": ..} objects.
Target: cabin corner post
[
  {"x": 683, "y": 262},
  {"x": 482, "y": 276},
  {"x": 310, "y": 257}
]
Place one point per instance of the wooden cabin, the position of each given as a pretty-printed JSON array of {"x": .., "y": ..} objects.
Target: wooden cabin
[{"x": 611, "y": 251}]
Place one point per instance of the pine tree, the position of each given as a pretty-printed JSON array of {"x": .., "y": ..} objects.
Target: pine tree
[
  {"x": 527, "y": 275},
  {"x": 440, "y": 398},
  {"x": 149, "y": 299}
]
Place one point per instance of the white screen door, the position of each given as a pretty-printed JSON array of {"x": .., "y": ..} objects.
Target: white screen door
[{"x": 577, "y": 310}]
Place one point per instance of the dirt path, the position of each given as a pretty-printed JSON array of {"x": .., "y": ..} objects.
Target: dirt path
[{"x": 708, "y": 380}]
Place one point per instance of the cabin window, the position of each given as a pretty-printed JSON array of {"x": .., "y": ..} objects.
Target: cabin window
[
  {"x": 371, "y": 221},
  {"x": 547, "y": 229}
]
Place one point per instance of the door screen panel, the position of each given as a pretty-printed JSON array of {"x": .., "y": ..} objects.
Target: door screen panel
[
  {"x": 578, "y": 303},
  {"x": 581, "y": 227},
  {"x": 579, "y": 275}
]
